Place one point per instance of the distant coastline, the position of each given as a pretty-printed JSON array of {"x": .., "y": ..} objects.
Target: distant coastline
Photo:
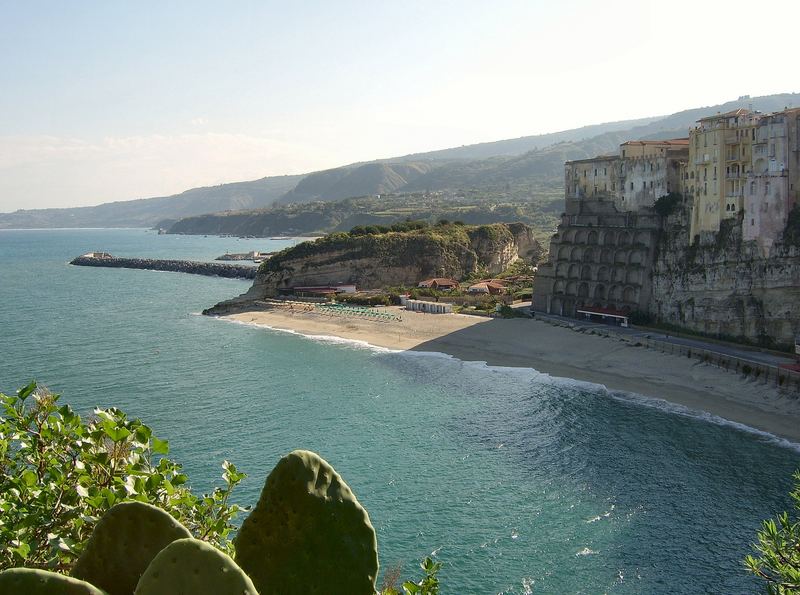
[{"x": 559, "y": 352}]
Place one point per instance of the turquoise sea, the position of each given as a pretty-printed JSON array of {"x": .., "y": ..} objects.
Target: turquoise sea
[{"x": 518, "y": 482}]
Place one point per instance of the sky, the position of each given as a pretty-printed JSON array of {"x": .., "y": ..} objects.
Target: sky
[{"x": 108, "y": 100}]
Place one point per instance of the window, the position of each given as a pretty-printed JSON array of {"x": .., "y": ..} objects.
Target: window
[
  {"x": 631, "y": 185},
  {"x": 595, "y": 172}
]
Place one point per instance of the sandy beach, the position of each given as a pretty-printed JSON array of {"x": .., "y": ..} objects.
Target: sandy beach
[{"x": 558, "y": 351}]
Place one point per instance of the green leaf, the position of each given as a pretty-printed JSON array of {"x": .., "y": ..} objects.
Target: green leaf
[
  {"x": 30, "y": 478},
  {"x": 160, "y": 447},
  {"x": 26, "y": 392},
  {"x": 116, "y": 433}
]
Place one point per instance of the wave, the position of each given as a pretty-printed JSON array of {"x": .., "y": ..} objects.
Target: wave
[{"x": 532, "y": 374}]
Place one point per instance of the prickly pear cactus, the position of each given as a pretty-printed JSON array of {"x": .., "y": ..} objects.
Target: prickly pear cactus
[
  {"x": 29, "y": 581},
  {"x": 123, "y": 544},
  {"x": 194, "y": 567},
  {"x": 308, "y": 533}
]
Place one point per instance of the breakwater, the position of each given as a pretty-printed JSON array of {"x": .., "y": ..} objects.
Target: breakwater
[{"x": 210, "y": 269}]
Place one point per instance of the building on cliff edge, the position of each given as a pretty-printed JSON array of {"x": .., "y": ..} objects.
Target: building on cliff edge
[
  {"x": 601, "y": 256},
  {"x": 741, "y": 166},
  {"x": 747, "y": 164}
]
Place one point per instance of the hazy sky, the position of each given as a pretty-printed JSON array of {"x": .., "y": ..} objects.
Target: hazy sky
[{"x": 112, "y": 100}]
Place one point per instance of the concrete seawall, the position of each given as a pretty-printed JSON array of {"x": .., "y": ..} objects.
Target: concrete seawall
[{"x": 210, "y": 269}]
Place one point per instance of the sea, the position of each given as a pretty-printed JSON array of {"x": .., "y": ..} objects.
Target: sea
[{"x": 516, "y": 481}]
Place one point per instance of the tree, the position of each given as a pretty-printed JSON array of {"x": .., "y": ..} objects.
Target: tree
[
  {"x": 59, "y": 474},
  {"x": 778, "y": 562}
]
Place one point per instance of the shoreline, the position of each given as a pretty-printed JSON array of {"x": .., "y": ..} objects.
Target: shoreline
[{"x": 557, "y": 352}]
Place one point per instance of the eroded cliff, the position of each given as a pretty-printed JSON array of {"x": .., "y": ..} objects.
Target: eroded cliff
[
  {"x": 378, "y": 260},
  {"x": 726, "y": 287}
]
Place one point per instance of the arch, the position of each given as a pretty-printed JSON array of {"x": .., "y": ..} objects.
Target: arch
[
  {"x": 556, "y": 306},
  {"x": 621, "y": 257},
  {"x": 609, "y": 238},
  {"x": 563, "y": 253},
  {"x": 634, "y": 277},
  {"x": 642, "y": 237},
  {"x": 623, "y": 239},
  {"x": 574, "y": 271},
  {"x": 559, "y": 285},
  {"x": 629, "y": 294},
  {"x": 615, "y": 293},
  {"x": 607, "y": 255},
  {"x": 602, "y": 274},
  {"x": 618, "y": 275},
  {"x": 572, "y": 288},
  {"x": 636, "y": 257},
  {"x": 592, "y": 237},
  {"x": 583, "y": 290},
  {"x": 575, "y": 254},
  {"x": 561, "y": 269},
  {"x": 600, "y": 292},
  {"x": 588, "y": 255},
  {"x": 569, "y": 236},
  {"x": 586, "y": 273},
  {"x": 580, "y": 236}
]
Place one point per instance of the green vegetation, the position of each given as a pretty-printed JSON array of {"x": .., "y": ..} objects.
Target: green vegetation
[
  {"x": 395, "y": 248},
  {"x": 791, "y": 233},
  {"x": 60, "y": 474},
  {"x": 538, "y": 206},
  {"x": 71, "y": 490},
  {"x": 667, "y": 204},
  {"x": 778, "y": 560}
]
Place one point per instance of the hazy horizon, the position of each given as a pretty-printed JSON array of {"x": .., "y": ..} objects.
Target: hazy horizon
[{"x": 110, "y": 103}]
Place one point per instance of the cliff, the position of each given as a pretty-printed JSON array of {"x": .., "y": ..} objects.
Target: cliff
[
  {"x": 723, "y": 286},
  {"x": 375, "y": 260}
]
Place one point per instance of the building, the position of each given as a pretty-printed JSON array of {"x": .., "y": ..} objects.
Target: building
[
  {"x": 636, "y": 177},
  {"x": 744, "y": 164},
  {"x": 771, "y": 187},
  {"x": 602, "y": 253},
  {"x": 439, "y": 283},
  {"x": 720, "y": 149},
  {"x": 490, "y": 287},
  {"x": 429, "y": 307}
]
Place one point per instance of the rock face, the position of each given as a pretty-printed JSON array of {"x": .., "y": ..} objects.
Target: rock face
[
  {"x": 396, "y": 258},
  {"x": 210, "y": 269},
  {"x": 725, "y": 286}
]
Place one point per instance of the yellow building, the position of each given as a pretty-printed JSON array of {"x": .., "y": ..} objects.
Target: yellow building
[{"x": 720, "y": 157}]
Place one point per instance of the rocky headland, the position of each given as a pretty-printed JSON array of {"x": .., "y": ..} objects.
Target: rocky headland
[{"x": 391, "y": 259}]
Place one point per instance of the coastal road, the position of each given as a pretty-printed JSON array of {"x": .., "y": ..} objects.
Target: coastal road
[{"x": 728, "y": 349}]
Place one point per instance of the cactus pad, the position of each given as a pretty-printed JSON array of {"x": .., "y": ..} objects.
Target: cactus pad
[
  {"x": 123, "y": 544},
  {"x": 28, "y": 581},
  {"x": 308, "y": 533},
  {"x": 194, "y": 567}
]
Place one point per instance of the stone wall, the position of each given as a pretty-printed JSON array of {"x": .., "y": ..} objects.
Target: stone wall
[
  {"x": 599, "y": 257},
  {"x": 210, "y": 269}
]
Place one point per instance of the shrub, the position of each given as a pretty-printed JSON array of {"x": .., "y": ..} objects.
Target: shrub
[
  {"x": 59, "y": 474},
  {"x": 778, "y": 547},
  {"x": 667, "y": 204}
]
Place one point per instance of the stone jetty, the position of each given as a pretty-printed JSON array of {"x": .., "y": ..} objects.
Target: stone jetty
[{"x": 211, "y": 269}]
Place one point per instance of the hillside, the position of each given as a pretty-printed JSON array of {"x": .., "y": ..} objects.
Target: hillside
[
  {"x": 394, "y": 258},
  {"x": 474, "y": 207},
  {"x": 360, "y": 180},
  {"x": 148, "y": 212},
  {"x": 533, "y": 162}
]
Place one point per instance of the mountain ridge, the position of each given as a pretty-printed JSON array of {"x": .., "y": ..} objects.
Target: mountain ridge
[{"x": 501, "y": 163}]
